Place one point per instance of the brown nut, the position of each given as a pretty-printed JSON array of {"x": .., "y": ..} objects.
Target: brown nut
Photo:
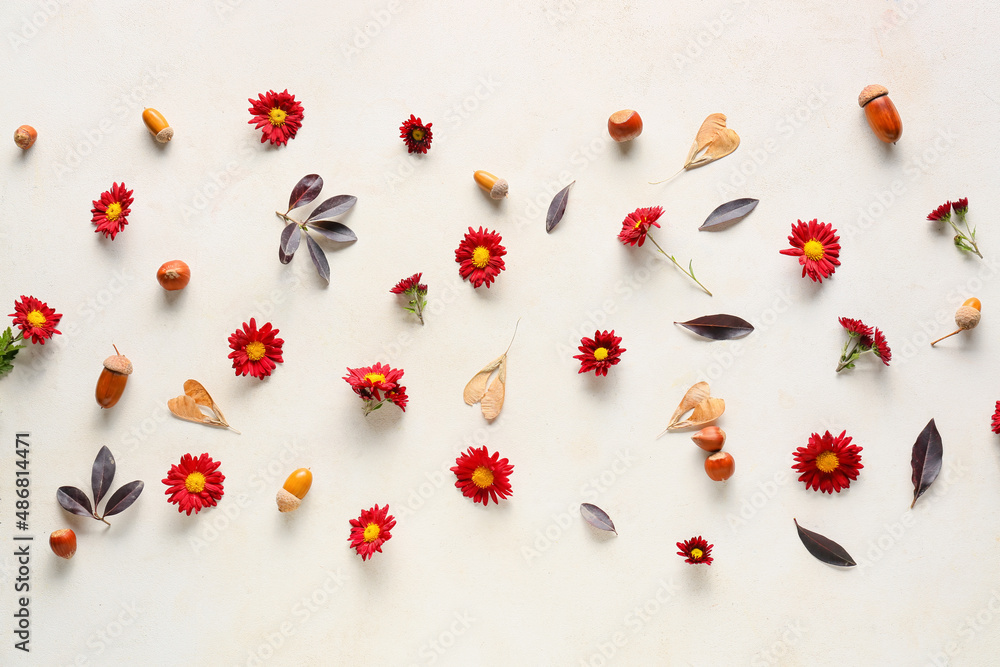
[
  {"x": 497, "y": 187},
  {"x": 111, "y": 383},
  {"x": 881, "y": 113},
  {"x": 720, "y": 466},
  {"x": 63, "y": 543},
  {"x": 624, "y": 125},
  {"x": 157, "y": 125},
  {"x": 25, "y": 136},
  {"x": 710, "y": 438}
]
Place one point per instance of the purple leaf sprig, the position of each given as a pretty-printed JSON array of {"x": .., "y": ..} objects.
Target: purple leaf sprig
[
  {"x": 77, "y": 502},
  {"x": 319, "y": 221}
]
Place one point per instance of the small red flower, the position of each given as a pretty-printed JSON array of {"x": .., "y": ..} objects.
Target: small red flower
[
  {"x": 36, "y": 320},
  {"x": 815, "y": 244},
  {"x": 996, "y": 419},
  {"x": 112, "y": 210},
  {"x": 482, "y": 477},
  {"x": 277, "y": 115},
  {"x": 194, "y": 483},
  {"x": 856, "y": 328},
  {"x": 942, "y": 212},
  {"x": 416, "y": 135},
  {"x": 880, "y": 347},
  {"x": 600, "y": 352},
  {"x": 480, "y": 257},
  {"x": 961, "y": 206},
  {"x": 828, "y": 464},
  {"x": 411, "y": 284},
  {"x": 255, "y": 352},
  {"x": 637, "y": 223},
  {"x": 696, "y": 551},
  {"x": 377, "y": 384},
  {"x": 371, "y": 530}
]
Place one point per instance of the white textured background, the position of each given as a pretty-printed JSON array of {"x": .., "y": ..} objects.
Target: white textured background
[{"x": 522, "y": 89}]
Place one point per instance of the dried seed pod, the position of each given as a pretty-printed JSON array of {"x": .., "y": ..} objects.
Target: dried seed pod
[
  {"x": 111, "y": 383},
  {"x": 881, "y": 113},
  {"x": 295, "y": 489},
  {"x": 157, "y": 125},
  {"x": 966, "y": 317},
  {"x": 497, "y": 187}
]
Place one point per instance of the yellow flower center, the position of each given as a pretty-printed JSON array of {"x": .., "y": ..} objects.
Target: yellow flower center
[
  {"x": 195, "y": 482},
  {"x": 697, "y": 553},
  {"x": 375, "y": 378},
  {"x": 255, "y": 350},
  {"x": 482, "y": 477},
  {"x": 813, "y": 250},
  {"x": 114, "y": 211},
  {"x": 371, "y": 532},
  {"x": 276, "y": 116},
  {"x": 480, "y": 257},
  {"x": 638, "y": 224},
  {"x": 601, "y": 353},
  {"x": 35, "y": 318},
  {"x": 417, "y": 134},
  {"x": 827, "y": 461}
]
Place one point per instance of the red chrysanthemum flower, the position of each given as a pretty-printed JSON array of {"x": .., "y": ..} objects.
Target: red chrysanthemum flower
[
  {"x": 277, "y": 115},
  {"x": 377, "y": 384},
  {"x": 112, "y": 210},
  {"x": 942, "y": 212},
  {"x": 194, "y": 483},
  {"x": 600, "y": 352},
  {"x": 815, "y": 244},
  {"x": 996, "y": 419},
  {"x": 411, "y": 284},
  {"x": 961, "y": 206},
  {"x": 36, "y": 320},
  {"x": 371, "y": 530},
  {"x": 856, "y": 328},
  {"x": 416, "y": 135},
  {"x": 480, "y": 257},
  {"x": 880, "y": 347},
  {"x": 696, "y": 551},
  {"x": 255, "y": 352},
  {"x": 828, "y": 464},
  {"x": 481, "y": 476},
  {"x": 637, "y": 223}
]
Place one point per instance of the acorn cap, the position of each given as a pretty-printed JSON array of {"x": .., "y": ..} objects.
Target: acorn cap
[
  {"x": 118, "y": 363},
  {"x": 499, "y": 190},
  {"x": 165, "y": 135},
  {"x": 967, "y": 317},
  {"x": 287, "y": 502},
  {"x": 870, "y": 93}
]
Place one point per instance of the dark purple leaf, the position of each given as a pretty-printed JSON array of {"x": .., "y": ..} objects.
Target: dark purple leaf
[
  {"x": 334, "y": 231},
  {"x": 103, "y": 474},
  {"x": 556, "y": 210},
  {"x": 123, "y": 498},
  {"x": 305, "y": 191},
  {"x": 926, "y": 460},
  {"x": 728, "y": 215},
  {"x": 333, "y": 207},
  {"x": 74, "y": 500},
  {"x": 597, "y": 517},
  {"x": 719, "y": 327},
  {"x": 824, "y": 548},
  {"x": 290, "y": 237},
  {"x": 318, "y": 258}
]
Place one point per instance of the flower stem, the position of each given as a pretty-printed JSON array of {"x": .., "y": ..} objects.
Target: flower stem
[
  {"x": 668, "y": 178},
  {"x": 689, "y": 274}
]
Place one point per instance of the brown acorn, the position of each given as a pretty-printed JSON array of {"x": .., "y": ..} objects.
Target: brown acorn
[
  {"x": 111, "y": 384},
  {"x": 881, "y": 113}
]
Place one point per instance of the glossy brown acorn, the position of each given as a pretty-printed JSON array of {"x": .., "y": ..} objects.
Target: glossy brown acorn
[
  {"x": 111, "y": 384},
  {"x": 881, "y": 113}
]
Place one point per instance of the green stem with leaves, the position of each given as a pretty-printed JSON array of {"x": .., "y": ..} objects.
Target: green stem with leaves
[
  {"x": 8, "y": 349},
  {"x": 689, "y": 272},
  {"x": 966, "y": 237}
]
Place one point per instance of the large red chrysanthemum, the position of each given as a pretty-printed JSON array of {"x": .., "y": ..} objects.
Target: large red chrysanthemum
[
  {"x": 881, "y": 347},
  {"x": 696, "y": 551},
  {"x": 815, "y": 244},
  {"x": 996, "y": 419},
  {"x": 255, "y": 352},
  {"x": 377, "y": 384},
  {"x": 194, "y": 483},
  {"x": 112, "y": 210},
  {"x": 370, "y": 531},
  {"x": 482, "y": 477},
  {"x": 480, "y": 257},
  {"x": 416, "y": 135},
  {"x": 828, "y": 464},
  {"x": 600, "y": 352},
  {"x": 637, "y": 223},
  {"x": 36, "y": 320},
  {"x": 277, "y": 115},
  {"x": 411, "y": 284}
]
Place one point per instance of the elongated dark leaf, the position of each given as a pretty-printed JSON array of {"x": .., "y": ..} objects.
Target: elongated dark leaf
[
  {"x": 597, "y": 518},
  {"x": 123, "y": 498},
  {"x": 334, "y": 231},
  {"x": 824, "y": 548},
  {"x": 290, "y": 237},
  {"x": 333, "y": 207},
  {"x": 305, "y": 191},
  {"x": 926, "y": 459},
  {"x": 74, "y": 500},
  {"x": 557, "y": 208},
  {"x": 728, "y": 214},
  {"x": 103, "y": 474},
  {"x": 718, "y": 327},
  {"x": 318, "y": 258}
]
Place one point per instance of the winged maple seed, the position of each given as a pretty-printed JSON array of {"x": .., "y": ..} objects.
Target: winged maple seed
[
  {"x": 713, "y": 141},
  {"x": 490, "y": 399},
  {"x": 187, "y": 406},
  {"x": 704, "y": 409}
]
